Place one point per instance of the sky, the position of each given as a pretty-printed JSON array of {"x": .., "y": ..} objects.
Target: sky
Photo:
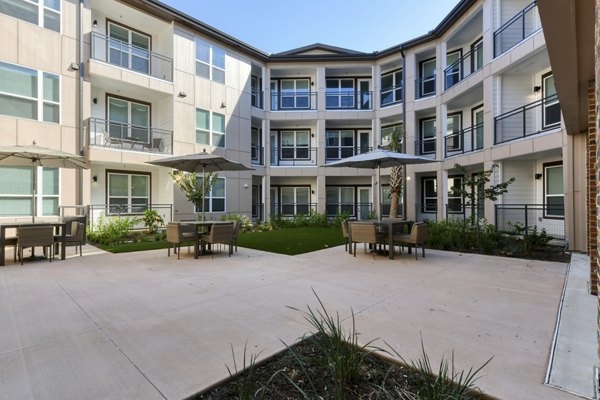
[{"x": 274, "y": 26}]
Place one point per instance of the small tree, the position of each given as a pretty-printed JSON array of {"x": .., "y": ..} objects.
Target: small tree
[
  {"x": 191, "y": 186},
  {"x": 396, "y": 173},
  {"x": 473, "y": 190}
]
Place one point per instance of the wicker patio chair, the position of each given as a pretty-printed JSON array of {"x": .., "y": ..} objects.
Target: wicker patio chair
[
  {"x": 220, "y": 234},
  {"x": 34, "y": 236},
  {"x": 417, "y": 237}
]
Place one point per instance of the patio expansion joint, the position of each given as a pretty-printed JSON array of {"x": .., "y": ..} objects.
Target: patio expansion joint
[{"x": 111, "y": 340}]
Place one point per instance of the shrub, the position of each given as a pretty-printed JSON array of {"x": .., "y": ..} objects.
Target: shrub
[
  {"x": 152, "y": 221},
  {"x": 111, "y": 230},
  {"x": 297, "y": 220}
]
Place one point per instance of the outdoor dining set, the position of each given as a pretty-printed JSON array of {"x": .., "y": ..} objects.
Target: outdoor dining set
[{"x": 203, "y": 235}]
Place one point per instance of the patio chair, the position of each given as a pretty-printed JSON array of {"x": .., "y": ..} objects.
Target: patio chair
[
  {"x": 33, "y": 236},
  {"x": 75, "y": 238},
  {"x": 365, "y": 233},
  {"x": 220, "y": 234},
  {"x": 417, "y": 237},
  {"x": 12, "y": 241},
  {"x": 237, "y": 231},
  {"x": 346, "y": 235},
  {"x": 178, "y": 234}
]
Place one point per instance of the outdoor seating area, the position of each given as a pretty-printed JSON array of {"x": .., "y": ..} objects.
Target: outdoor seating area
[
  {"x": 205, "y": 236},
  {"x": 50, "y": 236},
  {"x": 382, "y": 236}
]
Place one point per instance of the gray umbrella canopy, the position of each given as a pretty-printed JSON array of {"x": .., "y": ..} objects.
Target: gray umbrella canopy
[
  {"x": 380, "y": 158},
  {"x": 36, "y": 156},
  {"x": 200, "y": 162}
]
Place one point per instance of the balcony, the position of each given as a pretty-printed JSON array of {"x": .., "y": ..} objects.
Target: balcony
[
  {"x": 425, "y": 146},
  {"x": 353, "y": 210},
  {"x": 133, "y": 58},
  {"x": 348, "y": 100},
  {"x": 293, "y": 101},
  {"x": 391, "y": 95},
  {"x": 257, "y": 155},
  {"x": 257, "y": 99},
  {"x": 333, "y": 153},
  {"x": 290, "y": 156},
  {"x": 533, "y": 118},
  {"x": 530, "y": 217},
  {"x": 464, "y": 67},
  {"x": 291, "y": 209},
  {"x": 425, "y": 87},
  {"x": 464, "y": 141},
  {"x": 517, "y": 29},
  {"x": 123, "y": 136}
]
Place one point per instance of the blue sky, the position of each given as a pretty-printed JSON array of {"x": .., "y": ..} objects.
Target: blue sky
[{"x": 278, "y": 25}]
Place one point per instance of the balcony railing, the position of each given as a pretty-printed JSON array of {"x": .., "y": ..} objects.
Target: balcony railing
[
  {"x": 391, "y": 95},
  {"x": 530, "y": 216},
  {"x": 353, "y": 210},
  {"x": 294, "y": 156},
  {"x": 128, "y": 209},
  {"x": 257, "y": 155},
  {"x": 425, "y": 212},
  {"x": 124, "y": 55},
  {"x": 257, "y": 98},
  {"x": 293, "y": 101},
  {"x": 517, "y": 29},
  {"x": 339, "y": 152},
  {"x": 291, "y": 209},
  {"x": 118, "y": 135},
  {"x": 463, "y": 67},
  {"x": 425, "y": 146},
  {"x": 348, "y": 100},
  {"x": 464, "y": 141},
  {"x": 425, "y": 87},
  {"x": 530, "y": 119}
]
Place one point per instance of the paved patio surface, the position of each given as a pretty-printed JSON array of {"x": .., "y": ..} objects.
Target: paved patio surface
[{"x": 144, "y": 326}]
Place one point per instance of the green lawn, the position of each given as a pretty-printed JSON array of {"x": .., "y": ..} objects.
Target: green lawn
[{"x": 288, "y": 241}]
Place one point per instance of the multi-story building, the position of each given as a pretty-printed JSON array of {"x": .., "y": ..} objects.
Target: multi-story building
[{"x": 126, "y": 82}]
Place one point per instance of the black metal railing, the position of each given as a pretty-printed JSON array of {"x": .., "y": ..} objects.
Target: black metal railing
[
  {"x": 291, "y": 101},
  {"x": 96, "y": 211},
  {"x": 292, "y": 209},
  {"x": 257, "y": 98},
  {"x": 425, "y": 146},
  {"x": 338, "y": 152},
  {"x": 530, "y": 119},
  {"x": 119, "y": 135},
  {"x": 294, "y": 156},
  {"x": 531, "y": 216},
  {"x": 257, "y": 155},
  {"x": 348, "y": 100},
  {"x": 463, "y": 67},
  {"x": 385, "y": 210},
  {"x": 425, "y": 212},
  {"x": 425, "y": 87},
  {"x": 464, "y": 141},
  {"x": 391, "y": 95},
  {"x": 134, "y": 58},
  {"x": 353, "y": 210},
  {"x": 517, "y": 29}
]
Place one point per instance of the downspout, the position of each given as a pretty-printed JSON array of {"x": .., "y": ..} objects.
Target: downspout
[
  {"x": 404, "y": 208},
  {"x": 79, "y": 199}
]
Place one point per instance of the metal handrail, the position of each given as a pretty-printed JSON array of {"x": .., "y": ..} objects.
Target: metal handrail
[
  {"x": 133, "y": 137},
  {"x": 294, "y": 156},
  {"x": 259, "y": 96},
  {"x": 301, "y": 100},
  {"x": 344, "y": 152},
  {"x": 519, "y": 16},
  {"x": 353, "y": 208},
  {"x": 392, "y": 90},
  {"x": 291, "y": 209},
  {"x": 420, "y": 145},
  {"x": 461, "y": 62},
  {"x": 450, "y": 149},
  {"x": 419, "y": 86},
  {"x": 353, "y": 100},
  {"x": 528, "y": 216}
]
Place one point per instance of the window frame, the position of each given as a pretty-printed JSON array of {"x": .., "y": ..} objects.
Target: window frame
[
  {"x": 383, "y": 134},
  {"x": 396, "y": 90},
  {"x": 40, "y": 98},
  {"x": 129, "y": 197},
  {"x": 295, "y": 147},
  {"x": 457, "y": 143},
  {"x": 545, "y": 167},
  {"x": 212, "y": 66},
  {"x": 295, "y": 205},
  {"x": 460, "y": 70},
  {"x": 341, "y": 94},
  {"x": 422, "y": 138},
  {"x": 295, "y": 94},
  {"x": 424, "y": 205},
  {"x": 211, "y": 132},
  {"x": 131, "y": 126},
  {"x": 476, "y": 50},
  {"x": 210, "y": 197},
  {"x": 554, "y": 102},
  {"x": 131, "y": 49},
  {"x": 41, "y": 14},
  {"x": 453, "y": 196},
  {"x": 36, "y": 173},
  {"x": 426, "y": 79}
]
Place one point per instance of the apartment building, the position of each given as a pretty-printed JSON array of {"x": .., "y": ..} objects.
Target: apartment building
[{"x": 126, "y": 82}]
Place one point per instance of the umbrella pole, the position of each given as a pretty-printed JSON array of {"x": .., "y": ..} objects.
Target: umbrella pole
[
  {"x": 379, "y": 191},
  {"x": 203, "y": 192},
  {"x": 33, "y": 190}
]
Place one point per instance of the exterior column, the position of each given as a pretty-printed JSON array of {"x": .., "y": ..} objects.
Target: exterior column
[{"x": 442, "y": 193}]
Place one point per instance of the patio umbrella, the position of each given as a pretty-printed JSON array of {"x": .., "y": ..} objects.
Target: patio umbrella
[
  {"x": 200, "y": 162},
  {"x": 380, "y": 158},
  {"x": 36, "y": 156}
]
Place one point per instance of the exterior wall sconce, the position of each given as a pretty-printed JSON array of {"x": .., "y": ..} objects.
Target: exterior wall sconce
[
  {"x": 95, "y": 23},
  {"x": 312, "y": 192},
  {"x": 538, "y": 176},
  {"x": 74, "y": 66},
  {"x": 182, "y": 94},
  {"x": 95, "y": 178},
  {"x": 95, "y": 100},
  {"x": 223, "y": 105},
  {"x": 536, "y": 89}
]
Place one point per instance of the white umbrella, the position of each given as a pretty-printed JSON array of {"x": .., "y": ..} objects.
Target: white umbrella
[
  {"x": 200, "y": 162},
  {"x": 380, "y": 158},
  {"x": 36, "y": 156}
]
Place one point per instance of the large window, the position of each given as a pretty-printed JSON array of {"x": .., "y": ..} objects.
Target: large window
[
  {"x": 128, "y": 49},
  {"x": 339, "y": 200},
  {"x": 453, "y": 128},
  {"x": 215, "y": 200},
  {"x": 16, "y": 191},
  {"x": 295, "y": 200},
  {"x": 28, "y": 93},
  {"x": 455, "y": 201},
  {"x": 339, "y": 144},
  {"x": 295, "y": 145},
  {"x": 128, "y": 120},
  {"x": 45, "y": 13},
  {"x": 210, "y": 128},
  {"x": 340, "y": 93},
  {"x": 294, "y": 94},
  {"x": 128, "y": 192},
  {"x": 386, "y": 134},
  {"x": 391, "y": 87},
  {"x": 454, "y": 69},
  {"x": 427, "y": 135},
  {"x": 554, "y": 194},
  {"x": 427, "y": 78},
  {"x": 210, "y": 61},
  {"x": 429, "y": 195}
]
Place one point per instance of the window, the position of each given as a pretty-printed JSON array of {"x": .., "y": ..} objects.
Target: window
[
  {"x": 477, "y": 55},
  {"x": 391, "y": 88},
  {"x": 454, "y": 68},
  {"x": 295, "y": 200},
  {"x": 554, "y": 195},
  {"x": 295, "y": 145},
  {"x": 205, "y": 133},
  {"x": 427, "y": 78},
  {"x": 429, "y": 195},
  {"x": 210, "y": 61},
  {"x": 255, "y": 92},
  {"x": 294, "y": 94},
  {"x": 340, "y": 93},
  {"x": 128, "y": 193},
  {"x": 455, "y": 201},
  {"x": 128, "y": 49},
  {"x": 453, "y": 132},
  {"x": 128, "y": 120},
  {"x": 45, "y": 13},
  {"x": 255, "y": 146},
  {"x": 28, "y": 93},
  {"x": 551, "y": 109},
  {"x": 427, "y": 136},
  {"x": 339, "y": 200},
  {"x": 16, "y": 191},
  {"x": 477, "y": 127},
  {"x": 215, "y": 200},
  {"x": 339, "y": 144},
  {"x": 386, "y": 134},
  {"x": 386, "y": 201}
]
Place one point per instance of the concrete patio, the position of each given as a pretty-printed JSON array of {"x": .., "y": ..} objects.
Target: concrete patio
[{"x": 144, "y": 326}]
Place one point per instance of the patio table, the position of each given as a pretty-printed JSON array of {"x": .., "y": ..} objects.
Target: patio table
[
  {"x": 389, "y": 225},
  {"x": 198, "y": 249},
  {"x": 61, "y": 226}
]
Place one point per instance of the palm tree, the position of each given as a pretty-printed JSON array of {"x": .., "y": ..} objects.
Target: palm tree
[{"x": 396, "y": 174}]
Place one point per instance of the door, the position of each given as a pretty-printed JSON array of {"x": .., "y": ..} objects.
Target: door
[
  {"x": 428, "y": 78},
  {"x": 477, "y": 127},
  {"x": 363, "y": 142},
  {"x": 454, "y": 136},
  {"x": 364, "y": 94},
  {"x": 551, "y": 107},
  {"x": 428, "y": 128},
  {"x": 256, "y": 204},
  {"x": 364, "y": 203}
]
